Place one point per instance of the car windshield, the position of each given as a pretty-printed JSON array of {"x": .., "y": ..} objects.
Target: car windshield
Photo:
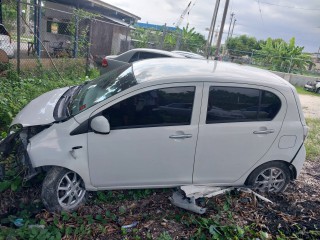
[{"x": 102, "y": 88}]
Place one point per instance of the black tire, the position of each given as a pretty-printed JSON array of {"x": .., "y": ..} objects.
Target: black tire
[
  {"x": 256, "y": 178},
  {"x": 318, "y": 91},
  {"x": 50, "y": 194}
]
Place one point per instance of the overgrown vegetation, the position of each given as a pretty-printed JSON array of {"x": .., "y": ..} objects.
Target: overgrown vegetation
[
  {"x": 189, "y": 39},
  {"x": 313, "y": 139},
  {"x": 273, "y": 54},
  {"x": 284, "y": 57}
]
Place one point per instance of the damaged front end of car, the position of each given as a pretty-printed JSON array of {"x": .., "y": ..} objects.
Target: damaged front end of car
[{"x": 13, "y": 151}]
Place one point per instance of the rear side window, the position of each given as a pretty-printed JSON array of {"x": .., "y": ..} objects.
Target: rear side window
[
  {"x": 269, "y": 107},
  {"x": 160, "y": 107},
  {"x": 145, "y": 55},
  {"x": 234, "y": 104},
  {"x": 134, "y": 58}
]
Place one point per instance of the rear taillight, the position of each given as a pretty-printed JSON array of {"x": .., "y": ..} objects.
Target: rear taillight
[{"x": 104, "y": 62}]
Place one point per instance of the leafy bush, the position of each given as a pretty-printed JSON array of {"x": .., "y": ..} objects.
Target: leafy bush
[{"x": 16, "y": 92}]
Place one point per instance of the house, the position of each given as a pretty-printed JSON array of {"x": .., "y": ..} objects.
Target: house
[{"x": 61, "y": 29}]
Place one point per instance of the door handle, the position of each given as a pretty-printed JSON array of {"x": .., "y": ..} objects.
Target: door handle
[
  {"x": 267, "y": 131},
  {"x": 181, "y": 136}
]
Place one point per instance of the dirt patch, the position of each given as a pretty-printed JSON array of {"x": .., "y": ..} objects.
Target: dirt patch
[{"x": 310, "y": 105}]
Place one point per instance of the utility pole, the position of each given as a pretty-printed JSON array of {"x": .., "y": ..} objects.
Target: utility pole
[
  {"x": 234, "y": 23},
  {"x": 164, "y": 33},
  {"x": 212, "y": 26},
  {"x": 18, "y": 35},
  {"x": 232, "y": 15},
  {"x": 0, "y": 11},
  {"x": 226, "y": 6}
]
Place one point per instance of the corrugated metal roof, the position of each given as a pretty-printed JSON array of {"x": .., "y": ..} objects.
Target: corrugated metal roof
[
  {"x": 100, "y": 7},
  {"x": 154, "y": 26}
]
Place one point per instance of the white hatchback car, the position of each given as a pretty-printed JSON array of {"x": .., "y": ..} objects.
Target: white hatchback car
[{"x": 163, "y": 123}]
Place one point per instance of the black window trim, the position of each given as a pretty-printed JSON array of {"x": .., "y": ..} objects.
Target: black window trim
[{"x": 239, "y": 120}]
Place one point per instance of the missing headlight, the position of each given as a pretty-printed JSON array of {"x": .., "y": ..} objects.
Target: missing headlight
[{"x": 15, "y": 128}]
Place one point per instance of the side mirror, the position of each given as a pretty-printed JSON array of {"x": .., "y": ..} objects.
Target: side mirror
[{"x": 100, "y": 125}]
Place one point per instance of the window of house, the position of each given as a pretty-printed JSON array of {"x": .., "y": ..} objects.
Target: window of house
[
  {"x": 160, "y": 107},
  {"x": 234, "y": 104},
  {"x": 58, "y": 28}
]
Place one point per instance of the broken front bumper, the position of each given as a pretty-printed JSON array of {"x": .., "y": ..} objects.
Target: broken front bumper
[{"x": 15, "y": 144}]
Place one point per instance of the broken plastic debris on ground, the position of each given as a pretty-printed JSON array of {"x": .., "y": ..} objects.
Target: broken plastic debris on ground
[{"x": 187, "y": 199}]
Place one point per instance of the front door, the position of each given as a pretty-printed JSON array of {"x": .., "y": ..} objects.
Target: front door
[
  {"x": 238, "y": 125},
  {"x": 152, "y": 139}
]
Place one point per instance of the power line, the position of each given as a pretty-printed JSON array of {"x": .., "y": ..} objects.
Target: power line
[
  {"x": 285, "y": 6},
  {"x": 260, "y": 11}
]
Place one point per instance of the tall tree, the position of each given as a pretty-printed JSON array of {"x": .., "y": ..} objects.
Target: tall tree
[
  {"x": 242, "y": 45},
  {"x": 191, "y": 40},
  {"x": 279, "y": 55}
]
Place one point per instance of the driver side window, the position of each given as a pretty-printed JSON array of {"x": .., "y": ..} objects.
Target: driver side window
[{"x": 159, "y": 107}]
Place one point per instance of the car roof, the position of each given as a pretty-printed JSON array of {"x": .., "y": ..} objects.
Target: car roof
[
  {"x": 167, "y": 53},
  {"x": 183, "y": 70},
  {"x": 189, "y": 54}
]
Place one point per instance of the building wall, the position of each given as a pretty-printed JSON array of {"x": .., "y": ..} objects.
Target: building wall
[
  {"x": 105, "y": 38},
  {"x": 119, "y": 43},
  {"x": 51, "y": 39},
  {"x": 295, "y": 79},
  {"x": 101, "y": 38}
]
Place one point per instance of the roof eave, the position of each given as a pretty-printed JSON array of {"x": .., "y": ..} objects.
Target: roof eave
[{"x": 114, "y": 8}]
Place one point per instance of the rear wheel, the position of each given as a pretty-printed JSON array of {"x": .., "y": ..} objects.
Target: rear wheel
[
  {"x": 63, "y": 190},
  {"x": 318, "y": 91},
  {"x": 270, "y": 177}
]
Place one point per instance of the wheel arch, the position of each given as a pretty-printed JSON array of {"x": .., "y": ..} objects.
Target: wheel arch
[
  {"x": 47, "y": 168},
  {"x": 291, "y": 168}
]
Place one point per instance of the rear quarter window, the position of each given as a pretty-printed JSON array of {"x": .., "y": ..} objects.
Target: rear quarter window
[{"x": 236, "y": 104}]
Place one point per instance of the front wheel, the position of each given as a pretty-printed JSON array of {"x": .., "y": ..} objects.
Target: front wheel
[
  {"x": 63, "y": 190},
  {"x": 270, "y": 177}
]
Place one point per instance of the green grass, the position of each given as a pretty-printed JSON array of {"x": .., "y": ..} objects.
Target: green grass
[
  {"x": 301, "y": 90},
  {"x": 313, "y": 140}
]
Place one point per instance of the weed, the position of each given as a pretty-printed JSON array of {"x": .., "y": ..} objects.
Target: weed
[
  {"x": 165, "y": 236},
  {"x": 313, "y": 139}
]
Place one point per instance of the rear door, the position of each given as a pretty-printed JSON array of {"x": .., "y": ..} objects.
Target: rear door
[{"x": 238, "y": 125}]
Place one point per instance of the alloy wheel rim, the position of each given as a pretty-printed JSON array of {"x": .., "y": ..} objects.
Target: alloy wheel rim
[
  {"x": 70, "y": 190},
  {"x": 270, "y": 180}
]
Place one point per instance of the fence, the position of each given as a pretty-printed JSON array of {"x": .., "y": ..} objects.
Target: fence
[
  {"x": 45, "y": 36},
  {"x": 39, "y": 34},
  {"x": 187, "y": 40}
]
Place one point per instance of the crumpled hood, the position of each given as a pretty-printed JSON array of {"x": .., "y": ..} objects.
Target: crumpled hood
[{"x": 40, "y": 110}]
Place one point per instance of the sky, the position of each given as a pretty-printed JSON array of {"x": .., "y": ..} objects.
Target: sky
[{"x": 258, "y": 18}]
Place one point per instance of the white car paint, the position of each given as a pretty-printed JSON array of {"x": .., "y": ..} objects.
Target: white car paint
[
  {"x": 6, "y": 45},
  {"x": 219, "y": 154},
  {"x": 40, "y": 110}
]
